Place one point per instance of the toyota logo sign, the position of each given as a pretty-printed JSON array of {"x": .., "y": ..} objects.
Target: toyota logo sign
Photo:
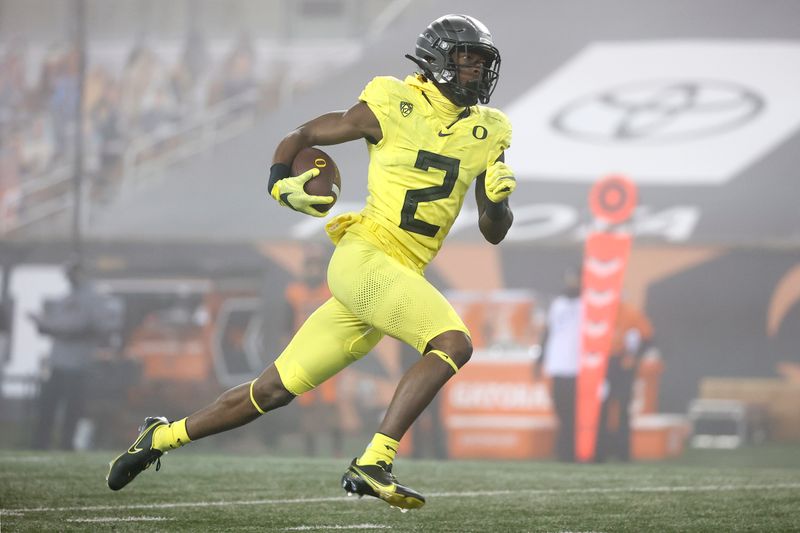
[{"x": 668, "y": 111}]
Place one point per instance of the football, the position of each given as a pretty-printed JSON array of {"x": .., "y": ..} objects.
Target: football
[{"x": 326, "y": 183}]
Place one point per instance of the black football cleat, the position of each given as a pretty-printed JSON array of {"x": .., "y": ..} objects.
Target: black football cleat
[
  {"x": 378, "y": 481},
  {"x": 138, "y": 457}
]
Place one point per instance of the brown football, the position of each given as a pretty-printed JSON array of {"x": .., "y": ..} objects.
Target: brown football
[{"x": 326, "y": 183}]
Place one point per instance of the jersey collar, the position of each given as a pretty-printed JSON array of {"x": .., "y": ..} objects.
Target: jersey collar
[{"x": 445, "y": 110}]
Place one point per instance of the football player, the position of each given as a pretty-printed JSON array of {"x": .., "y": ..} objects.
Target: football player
[{"x": 428, "y": 139}]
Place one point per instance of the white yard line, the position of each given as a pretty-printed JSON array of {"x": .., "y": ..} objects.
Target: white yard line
[
  {"x": 605, "y": 490},
  {"x": 120, "y": 519},
  {"x": 27, "y": 459},
  {"x": 329, "y": 528},
  {"x": 464, "y": 494}
]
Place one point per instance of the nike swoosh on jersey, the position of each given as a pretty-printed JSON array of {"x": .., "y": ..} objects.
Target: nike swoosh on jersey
[{"x": 445, "y": 134}]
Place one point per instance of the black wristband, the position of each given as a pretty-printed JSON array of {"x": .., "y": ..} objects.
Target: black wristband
[
  {"x": 277, "y": 172},
  {"x": 496, "y": 211}
]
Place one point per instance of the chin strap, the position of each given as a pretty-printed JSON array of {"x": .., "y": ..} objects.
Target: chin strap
[{"x": 443, "y": 87}]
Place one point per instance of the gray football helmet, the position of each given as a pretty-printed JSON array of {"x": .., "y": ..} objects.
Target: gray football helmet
[{"x": 435, "y": 51}]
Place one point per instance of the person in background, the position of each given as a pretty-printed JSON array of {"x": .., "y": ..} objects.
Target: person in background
[
  {"x": 559, "y": 359},
  {"x": 319, "y": 412},
  {"x": 77, "y": 324},
  {"x": 632, "y": 337}
]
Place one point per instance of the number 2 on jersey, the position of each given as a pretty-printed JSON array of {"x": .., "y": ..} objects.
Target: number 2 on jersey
[{"x": 426, "y": 161}]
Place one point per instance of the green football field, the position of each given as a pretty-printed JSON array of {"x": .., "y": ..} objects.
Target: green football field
[{"x": 756, "y": 489}]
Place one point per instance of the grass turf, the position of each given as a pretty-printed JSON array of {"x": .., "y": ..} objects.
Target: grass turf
[{"x": 756, "y": 489}]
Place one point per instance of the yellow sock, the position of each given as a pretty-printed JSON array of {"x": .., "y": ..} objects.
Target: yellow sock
[
  {"x": 382, "y": 448},
  {"x": 171, "y": 436}
]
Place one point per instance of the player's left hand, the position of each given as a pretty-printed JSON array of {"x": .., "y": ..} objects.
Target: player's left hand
[
  {"x": 289, "y": 192},
  {"x": 499, "y": 182}
]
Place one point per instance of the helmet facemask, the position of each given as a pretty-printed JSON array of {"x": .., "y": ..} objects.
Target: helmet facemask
[{"x": 467, "y": 92}]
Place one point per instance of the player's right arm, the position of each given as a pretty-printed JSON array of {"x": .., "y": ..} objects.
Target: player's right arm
[{"x": 335, "y": 127}]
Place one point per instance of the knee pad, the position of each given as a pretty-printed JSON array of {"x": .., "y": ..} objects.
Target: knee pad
[
  {"x": 253, "y": 398},
  {"x": 444, "y": 357}
]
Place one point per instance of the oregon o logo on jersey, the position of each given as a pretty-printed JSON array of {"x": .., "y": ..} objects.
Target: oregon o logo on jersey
[{"x": 479, "y": 132}]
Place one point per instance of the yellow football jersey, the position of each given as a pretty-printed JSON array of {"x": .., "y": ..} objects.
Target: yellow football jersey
[{"x": 423, "y": 166}]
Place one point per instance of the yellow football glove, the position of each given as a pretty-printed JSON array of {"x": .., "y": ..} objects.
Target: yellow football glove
[
  {"x": 289, "y": 192},
  {"x": 499, "y": 182}
]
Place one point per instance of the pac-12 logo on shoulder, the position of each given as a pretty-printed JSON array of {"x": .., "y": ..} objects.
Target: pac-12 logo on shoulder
[{"x": 406, "y": 108}]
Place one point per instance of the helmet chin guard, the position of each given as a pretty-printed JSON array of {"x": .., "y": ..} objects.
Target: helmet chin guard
[{"x": 435, "y": 53}]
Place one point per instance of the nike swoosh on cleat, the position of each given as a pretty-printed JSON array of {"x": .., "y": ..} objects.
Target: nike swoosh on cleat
[
  {"x": 374, "y": 484},
  {"x": 133, "y": 449},
  {"x": 445, "y": 134}
]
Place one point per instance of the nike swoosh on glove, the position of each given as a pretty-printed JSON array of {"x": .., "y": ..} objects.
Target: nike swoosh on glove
[
  {"x": 499, "y": 182},
  {"x": 289, "y": 192}
]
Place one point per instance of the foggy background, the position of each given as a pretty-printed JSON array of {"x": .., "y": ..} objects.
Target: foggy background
[{"x": 136, "y": 136}]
